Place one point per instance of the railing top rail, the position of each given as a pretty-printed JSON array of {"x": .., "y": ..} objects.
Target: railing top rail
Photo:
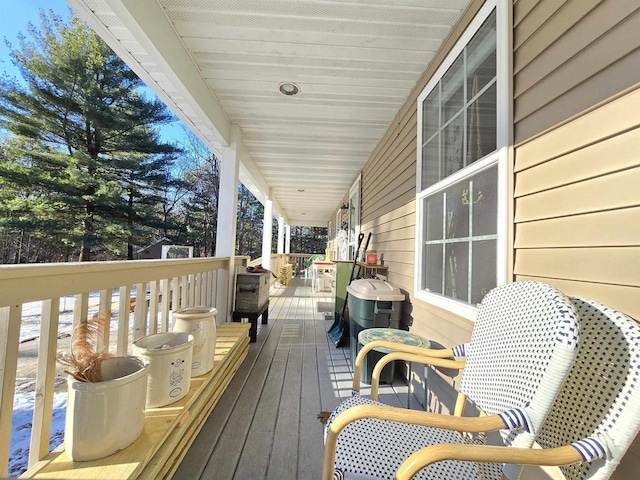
[{"x": 32, "y": 282}]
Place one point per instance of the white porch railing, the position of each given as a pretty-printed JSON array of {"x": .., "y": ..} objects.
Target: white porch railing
[
  {"x": 163, "y": 284},
  {"x": 279, "y": 259}
]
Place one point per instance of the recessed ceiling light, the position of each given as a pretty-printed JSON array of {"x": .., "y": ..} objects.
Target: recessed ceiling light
[{"x": 288, "y": 88}]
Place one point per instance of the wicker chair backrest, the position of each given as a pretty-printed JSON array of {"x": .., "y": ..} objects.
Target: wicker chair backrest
[
  {"x": 522, "y": 347},
  {"x": 601, "y": 397}
]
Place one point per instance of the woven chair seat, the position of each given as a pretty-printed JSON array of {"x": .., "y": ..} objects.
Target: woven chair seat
[{"x": 354, "y": 454}]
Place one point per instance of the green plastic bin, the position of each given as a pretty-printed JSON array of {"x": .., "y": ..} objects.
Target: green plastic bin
[{"x": 372, "y": 304}]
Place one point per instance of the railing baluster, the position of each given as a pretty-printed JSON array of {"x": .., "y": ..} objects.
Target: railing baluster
[
  {"x": 153, "y": 306},
  {"x": 192, "y": 290},
  {"x": 45, "y": 380},
  {"x": 124, "y": 309},
  {"x": 198, "y": 288},
  {"x": 104, "y": 308},
  {"x": 213, "y": 291},
  {"x": 175, "y": 293},
  {"x": 10, "y": 319},
  {"x": 166, "y": 302},
  {"x": 204, "y": 296},
  {"x": 139, "y": 311},
  {"x": 80, "y": 308},
  {"x": 184, "y": 292}
]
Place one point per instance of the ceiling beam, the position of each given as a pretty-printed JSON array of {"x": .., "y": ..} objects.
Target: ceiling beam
[{"x": 147, "y": 23}]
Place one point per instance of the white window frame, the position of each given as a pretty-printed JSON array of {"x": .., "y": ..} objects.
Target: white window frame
[{"x": 499, "y": 157}]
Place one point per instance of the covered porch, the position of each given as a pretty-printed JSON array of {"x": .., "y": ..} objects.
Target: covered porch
[{"x": 266, "y": 424}]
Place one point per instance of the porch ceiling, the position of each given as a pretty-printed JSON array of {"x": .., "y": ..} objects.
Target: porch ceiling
[{"x": 218, "y": 63}]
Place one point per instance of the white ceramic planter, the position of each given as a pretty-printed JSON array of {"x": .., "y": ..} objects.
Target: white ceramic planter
[
  {"x": 169, "y": 356},
  {"x": 201, "y": 323},
  {"x": 105, "y": 417}
]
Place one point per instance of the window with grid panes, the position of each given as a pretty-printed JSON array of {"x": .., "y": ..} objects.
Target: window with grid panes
[{"x": 458, "y": 167}]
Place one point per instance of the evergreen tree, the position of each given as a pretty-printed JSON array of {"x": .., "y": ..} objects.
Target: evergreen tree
[{"x": 84, "y": 147}]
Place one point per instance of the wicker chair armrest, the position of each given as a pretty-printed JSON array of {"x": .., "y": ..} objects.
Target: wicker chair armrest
[
  {"x": 408, "y": 357},
  {"x": 482, "y": 453},
  {"x": 465, "y": 424},
  {"x": 430, "y": 357}
]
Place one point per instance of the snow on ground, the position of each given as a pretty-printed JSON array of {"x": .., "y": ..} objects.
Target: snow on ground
[{"x": 21, "y": 427}]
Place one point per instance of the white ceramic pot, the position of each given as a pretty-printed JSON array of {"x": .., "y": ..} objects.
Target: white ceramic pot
[
  {"x": 169, "y": 356},
  {"x": 201, "y": 323},
  {"x": 105, "y": 417}
]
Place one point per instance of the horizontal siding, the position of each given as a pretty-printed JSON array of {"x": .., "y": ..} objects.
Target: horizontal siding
[
  {"x": 622, "y": 298},
  {"x": 580, "y": 165},
  {"x": 581, "y": 54},
  {"x": 577, "y": 201},
  {"x": 610, "y": 120},
  {"x": 535, "y": 39},
  {"x": 608, "y": 265},
  {"x": 615, "y": 228},
  {"x": 608, "y": 192}
]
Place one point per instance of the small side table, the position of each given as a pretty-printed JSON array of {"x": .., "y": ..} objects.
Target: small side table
[
  {"x": 252, "y": 317},
  {"x": 397, "y": 336}
]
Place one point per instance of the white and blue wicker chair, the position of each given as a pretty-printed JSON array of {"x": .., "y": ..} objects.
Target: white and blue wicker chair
[
  {"x": 522, "y": 347},
  {"x": 596, "y": 416}
]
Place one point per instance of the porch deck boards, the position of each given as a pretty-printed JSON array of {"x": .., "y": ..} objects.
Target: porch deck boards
[{"x": 265, "y": 426}]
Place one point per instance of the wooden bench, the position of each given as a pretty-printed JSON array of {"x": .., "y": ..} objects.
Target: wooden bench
[
  {"x": 168, "y": 431},
  {"x": 252, "y": 317}
]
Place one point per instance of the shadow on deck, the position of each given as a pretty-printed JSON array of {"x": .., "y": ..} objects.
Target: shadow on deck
[{"x": 265, "y": 425}]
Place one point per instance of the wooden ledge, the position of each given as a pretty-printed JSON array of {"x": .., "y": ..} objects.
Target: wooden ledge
[{"x": 168, "y": 431}]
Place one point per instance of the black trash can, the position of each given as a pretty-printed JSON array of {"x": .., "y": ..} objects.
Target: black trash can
[{"x": 372, "y": 304}]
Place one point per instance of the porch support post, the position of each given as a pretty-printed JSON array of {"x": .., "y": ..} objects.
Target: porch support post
[
  {"x": 280, "y": 235},
  {"x": 267, "y": 230},
  {"x": 287, "y": 243},
  {"x": 226, "y": 229}
]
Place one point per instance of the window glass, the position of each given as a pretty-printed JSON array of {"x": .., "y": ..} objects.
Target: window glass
[
  {"x": 453, "y": 256},
  {"x": 481, "y": 57},
  {"x": 481, "y": 125},
  {"x": 431, "y": 114},
  {"x": 484, "y": 195},
  {"x": 453, "y": 148},
  {"x": 459, "y": 194},
  {"x": 483, "y": 269},
  {"x": 452, "y": 86},
  {"x": 457, "y": 214}
]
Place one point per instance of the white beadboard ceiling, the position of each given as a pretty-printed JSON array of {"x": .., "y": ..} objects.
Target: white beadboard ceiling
[{"x": 218, "y": 63}]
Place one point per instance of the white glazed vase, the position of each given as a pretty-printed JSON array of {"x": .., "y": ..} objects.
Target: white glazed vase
[
  {"x": 169, "y": 356},
  {"x": 105, "y": 417},
  {"x": 201, "y": 323}
]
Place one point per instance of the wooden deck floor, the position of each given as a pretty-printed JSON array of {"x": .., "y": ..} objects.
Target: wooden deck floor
[{"x": 265, "y": 425}]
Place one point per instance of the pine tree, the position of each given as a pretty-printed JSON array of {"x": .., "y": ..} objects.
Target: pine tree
[{"x": 84, "y": 146}]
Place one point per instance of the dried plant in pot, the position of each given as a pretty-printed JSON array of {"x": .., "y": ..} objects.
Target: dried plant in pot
[{"x": 105, "y": 409}]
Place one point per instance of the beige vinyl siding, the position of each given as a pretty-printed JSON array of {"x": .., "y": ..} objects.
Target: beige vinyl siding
[
  {"x": 577, "y": 205},
  {"x": 570, "y": 56},
  {"x": 576, "y": 159}
]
